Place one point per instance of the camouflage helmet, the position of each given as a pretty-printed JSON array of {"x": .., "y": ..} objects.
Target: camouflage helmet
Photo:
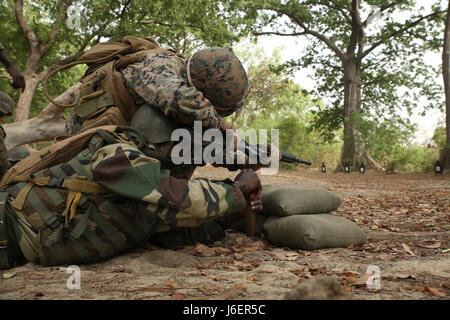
[
  {"x": 6, "y": 104},
  {"x": 220, "y": 76}
]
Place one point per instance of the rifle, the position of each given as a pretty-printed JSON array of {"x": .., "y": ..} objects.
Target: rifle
[{"x": 259, "y": 151}]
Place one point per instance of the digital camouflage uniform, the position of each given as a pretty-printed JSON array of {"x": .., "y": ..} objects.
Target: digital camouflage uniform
[
  {"x": 53, "y": 225},
  {"x": 161, "y": 81}
]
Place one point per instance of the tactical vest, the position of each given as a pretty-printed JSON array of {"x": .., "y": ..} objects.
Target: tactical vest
[
  {"x": 79, "y": 221},
  {"x": 104, "y": 99}
]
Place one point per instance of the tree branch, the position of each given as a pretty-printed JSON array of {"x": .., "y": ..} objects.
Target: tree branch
[
  {"x": 56, "y": 27},
  {"x": 329, "y": 43},
  {"x": 331, "y": 6},
  {"x": 356, "y": 28},
  {"x": 280, "y": 34},
  {"x": 398, "y": 32},
  {"x": 33, "y": 41}
]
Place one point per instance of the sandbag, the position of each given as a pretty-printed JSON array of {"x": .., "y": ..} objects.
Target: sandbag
[
  {"x": 287, "y": 201},
  {"x": 311, "y": 232}
]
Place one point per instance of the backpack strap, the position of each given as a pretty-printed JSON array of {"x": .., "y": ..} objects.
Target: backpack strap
[{"x": 4, "y": 261}]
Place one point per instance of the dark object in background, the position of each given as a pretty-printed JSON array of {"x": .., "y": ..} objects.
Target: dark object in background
[
  {"x": 362, "y": 168},
  {"x": 347, "y": 168},
  {"x": 437, "y": 168},
  {"x": 324, "y": 168}
]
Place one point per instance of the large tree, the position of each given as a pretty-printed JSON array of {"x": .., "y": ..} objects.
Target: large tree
[
  {"x": 39, "y": 39},
  {"x": 360, "y": 72},
  {"x": 445, "y": 152}
]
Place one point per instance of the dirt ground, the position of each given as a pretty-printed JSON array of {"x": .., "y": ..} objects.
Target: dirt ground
[{"x": 406, "y": 218}]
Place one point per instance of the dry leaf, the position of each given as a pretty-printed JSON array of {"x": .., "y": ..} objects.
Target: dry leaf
[
  {"x": 251, "y": 279},
  {"x": 171, "y": 285},
  {"x": 350, "y": 274},
  {"x": 435, "y": 292},
  {"x": 359, "y": 281},
  {"x": 238, "y": 288},
  {"x": 348, "y": 288},
  {"x": 223, "y": 251},
  {"x": 432, "y": 246},
  {"x": 297, "y": 271},
  {"x": 229, "y": 297},
  {"x": 178, "y": 296},
  {"x": 407, "y": 249},
  {"x": 238, "y": 256},
  {"x": 205, "y": 250}
]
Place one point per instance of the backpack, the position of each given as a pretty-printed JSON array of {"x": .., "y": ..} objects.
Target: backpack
[
  {"x": 104, "y": 99},
  {"x": 55, "y": 154}
]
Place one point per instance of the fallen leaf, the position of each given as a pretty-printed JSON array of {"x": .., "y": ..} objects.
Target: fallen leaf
[
  {"x": 445, "y": 251},
  {"x": 251, "y": 279},
  {"x": 222, "y": 251},
  {"x": 407, "y": 249},
  {"x": 8, "y": 275},
  {"x": 238, "y": 256},
  {"x": 205, "y": 250},
  {"x": 348, "y": 288},
  {"x": 238, "y": 288},
  {"x": 178, "y": 296},
  {"x": 359, "y": 281},
  {"x": 229, "y": 297},
  {"x": 435, "y": 292},
  {"x": 297, "y": 271},
  {"x": 350, "y": 274},
  {"x": 171, "y": 285},
  {"x": 243, "y": 265},
  {"x": 432, "y": 246}
]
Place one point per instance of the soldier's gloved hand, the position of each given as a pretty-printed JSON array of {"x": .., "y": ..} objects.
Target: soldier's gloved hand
[
  {"x": 18, "y": 80},
  {"x": 250, "y": 185}
]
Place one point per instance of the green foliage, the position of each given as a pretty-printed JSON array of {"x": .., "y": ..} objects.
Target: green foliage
[
  {"x": 389, "y": 143},
  {"x": 439, "y": 137},
  {"x": 178, "y": 24},
  {"x": 395, "y": 74}
]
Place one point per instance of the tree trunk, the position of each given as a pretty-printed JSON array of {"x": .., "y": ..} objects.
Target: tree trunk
[
  {"x": 25, "y": 98},
  {"x": 353, "y": 151},
  {"x": 46, "y": 126},
  {"x": 445, "y": 153}
]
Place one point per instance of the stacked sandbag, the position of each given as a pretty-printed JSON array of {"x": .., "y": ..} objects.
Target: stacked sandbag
[
  {"x": 288, "y": 201},
  {"x": 298, "y": 218},
  {"x": 311, "y": 232}
]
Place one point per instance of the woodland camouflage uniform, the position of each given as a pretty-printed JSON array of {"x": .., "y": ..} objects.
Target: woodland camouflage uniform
[{"x": 52, "y": 225}]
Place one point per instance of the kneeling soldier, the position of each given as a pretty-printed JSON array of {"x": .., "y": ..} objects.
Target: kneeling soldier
[{"x": 107, "y": 199}]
